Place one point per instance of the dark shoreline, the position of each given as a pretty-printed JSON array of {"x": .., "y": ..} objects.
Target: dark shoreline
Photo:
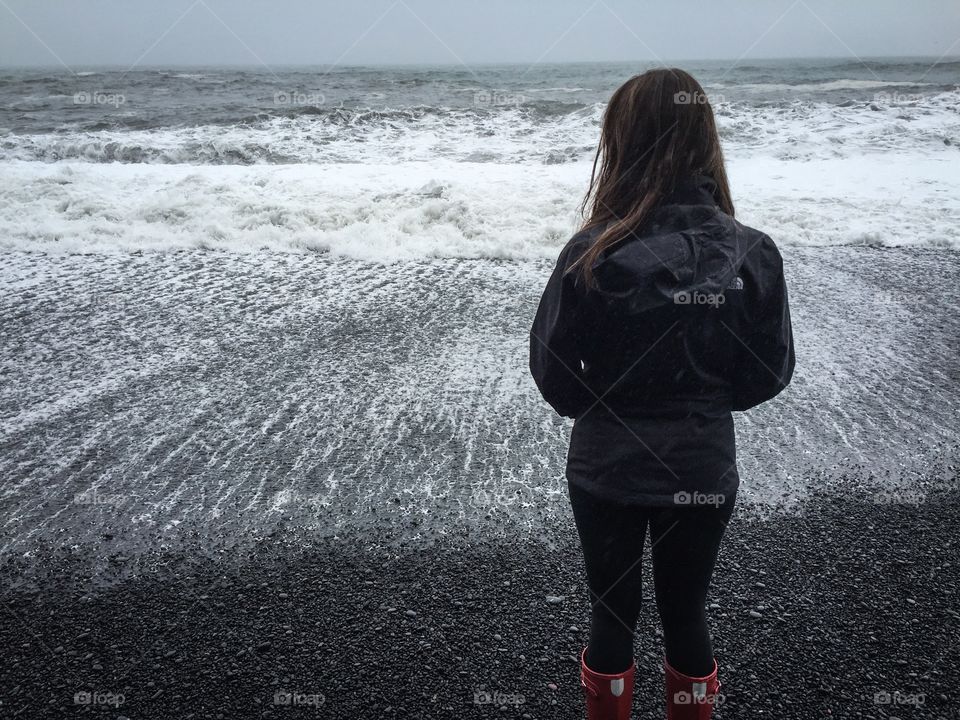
[{"x": 854, "y": 599}]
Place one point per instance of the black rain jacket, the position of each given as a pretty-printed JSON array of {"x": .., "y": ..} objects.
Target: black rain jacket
[{"x": 686, "y": 323}]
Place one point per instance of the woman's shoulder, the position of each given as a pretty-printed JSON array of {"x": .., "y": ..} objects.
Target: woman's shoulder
[
  {"x": 577, "y": 245},
  {"x": 758, "y": 245},
  {"x": 583, "y": 238}
]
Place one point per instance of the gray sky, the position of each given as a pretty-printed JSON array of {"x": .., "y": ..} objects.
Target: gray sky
[{"x": 275, "y": 32}]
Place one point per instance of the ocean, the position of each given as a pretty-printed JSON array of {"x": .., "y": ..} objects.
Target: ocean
[
  {"x": 483, "y": 162},
  {"x": 235, "y": 300}
]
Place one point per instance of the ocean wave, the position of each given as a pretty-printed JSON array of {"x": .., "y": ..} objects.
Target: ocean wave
[
  {"x": 893, "y": 66},
  {"x": 827, "y": 85},
  {"x": 496, "y": 112},
  {"x": 556, "y": 89},
  {"x": 442, "y": 209},
  {"x": 547, "y": 132},
  {"x": 520, "y": 133}
]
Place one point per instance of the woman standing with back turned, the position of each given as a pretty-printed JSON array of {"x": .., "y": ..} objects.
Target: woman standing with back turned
[{"x": 663, "y": 315}]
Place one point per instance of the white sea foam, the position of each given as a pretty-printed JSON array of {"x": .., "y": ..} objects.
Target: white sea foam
[
  {"x": 531, "y": 133},
  {"x": 844, "y": 84},
  {"x": 410, "y": 210}
]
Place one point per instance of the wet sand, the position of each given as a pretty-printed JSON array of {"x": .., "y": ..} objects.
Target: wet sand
[{"x": 208, "y": 456}]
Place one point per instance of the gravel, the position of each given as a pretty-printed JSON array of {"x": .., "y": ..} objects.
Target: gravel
[{"x": 859, "y": 621}]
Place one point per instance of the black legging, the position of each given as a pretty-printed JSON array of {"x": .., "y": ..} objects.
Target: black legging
[{"x": 685, "y": 541}]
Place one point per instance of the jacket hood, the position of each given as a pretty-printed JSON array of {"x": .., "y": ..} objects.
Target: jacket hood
[{"x": 690, "y": 251}]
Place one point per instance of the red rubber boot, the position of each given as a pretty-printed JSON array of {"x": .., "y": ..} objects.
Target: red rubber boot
[
  {"x": 691, "y": 698},
  {"x": 609, "y": 697}
]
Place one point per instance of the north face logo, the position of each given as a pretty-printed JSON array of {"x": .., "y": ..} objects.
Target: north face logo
[{"x": 736, "y": 283}]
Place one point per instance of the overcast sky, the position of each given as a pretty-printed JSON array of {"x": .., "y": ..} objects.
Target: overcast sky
[{"x": 79, "y": 33}]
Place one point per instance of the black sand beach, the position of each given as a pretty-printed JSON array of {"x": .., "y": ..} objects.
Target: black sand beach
[
  {"x": 229, "y": 478},
  {"x": 846, "y": 610}
]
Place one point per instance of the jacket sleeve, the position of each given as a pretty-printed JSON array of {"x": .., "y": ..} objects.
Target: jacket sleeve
[
  {"x": 555, "y": 343},
  {"x": 766, "y": 358}
]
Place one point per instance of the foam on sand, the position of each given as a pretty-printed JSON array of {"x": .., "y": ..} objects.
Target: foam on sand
[{"x": 223, "y": 391}]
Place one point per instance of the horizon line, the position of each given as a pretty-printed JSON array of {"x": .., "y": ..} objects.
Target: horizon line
[{"x": 493, "y": 63}]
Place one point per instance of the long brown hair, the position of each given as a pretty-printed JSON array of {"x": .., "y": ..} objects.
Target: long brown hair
[{"x": 658, "y": 129}]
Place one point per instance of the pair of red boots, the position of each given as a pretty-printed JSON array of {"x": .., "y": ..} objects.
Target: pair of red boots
[{"x": 609, "y": 697}]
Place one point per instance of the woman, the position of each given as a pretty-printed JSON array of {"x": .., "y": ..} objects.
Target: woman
[{"x": 663, "y": 315}]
